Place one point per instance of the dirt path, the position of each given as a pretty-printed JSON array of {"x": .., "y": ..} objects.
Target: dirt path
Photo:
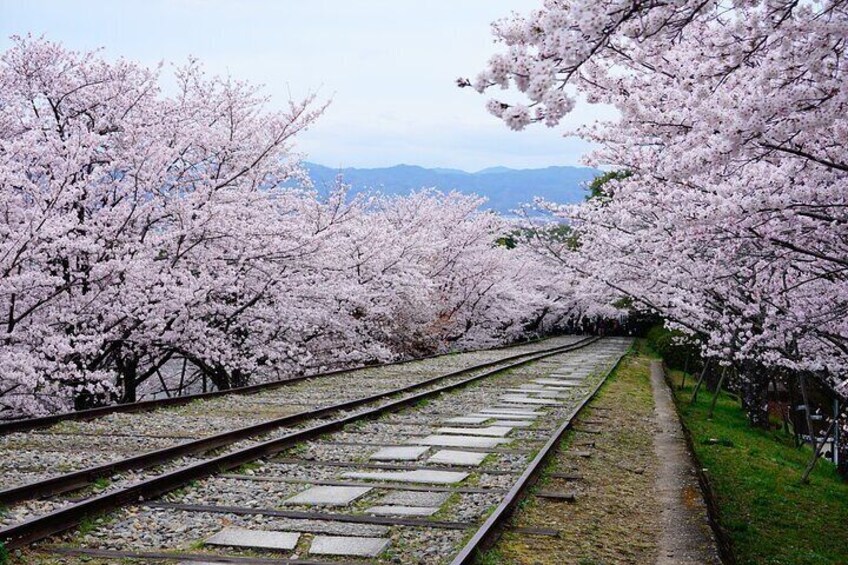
[{"x": 686, "y": 537}]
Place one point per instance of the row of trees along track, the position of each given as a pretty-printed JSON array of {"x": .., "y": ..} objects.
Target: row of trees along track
[
  {"x": 141, "y": 229},
  {"x": 726, "y": 208}
]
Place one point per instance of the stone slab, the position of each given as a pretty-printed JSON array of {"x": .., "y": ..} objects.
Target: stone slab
[
  {"x": 402, "y": 453},
  {"x": 512, "y": 412},
  {"x": 257, "y": 539},
  {"x": 328, "y": 496},
  {"x": 414, "y": 498},
  {"x": 518, "y": 399},
  {"x": 513, "y": 423},
  {"x": 564, "y": 496},
  {"x": 489, "y": 431},
  {"x": 348, "y": 546},
  {"x": 537, "y": 393},
  {"x": 518, "y": 406},
  {"x": 402, "y": 510},
  {"x": 461, "y": 441},
  {"x": 426, "y": 477},
  {"x": 550, "y": 394},
  {"x": 466, "y": 420},
  {"x": 558, "y": 383},
  {"x": 509, "y": 416},
  {"x": 454, "y": 457}
]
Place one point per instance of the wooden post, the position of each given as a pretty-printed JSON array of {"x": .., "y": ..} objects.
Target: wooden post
[
  {"x": 717, "y": 392},
  {"x": 802, "y": 380},
  {"x": 791, "y": 381},
  {"x": 817, "y": 447},
  {"x": 699, "y": 383},
  {"x": 164, "y": 385},
  {"x": 783, "y": 413},
  {"x": 182, "y": 378}
]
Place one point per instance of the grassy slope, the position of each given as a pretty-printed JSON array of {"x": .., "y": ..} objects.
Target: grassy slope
[{"x": 771, "y": 518}]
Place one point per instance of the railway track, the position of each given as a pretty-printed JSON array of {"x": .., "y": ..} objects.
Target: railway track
[
  {"x": 71, "y": 446},
  {"x": 28, "y": 424},
  {"x": 415, "y": 471}
]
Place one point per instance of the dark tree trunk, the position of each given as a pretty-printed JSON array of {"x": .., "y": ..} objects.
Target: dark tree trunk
[
  {"x": 713, "y": 377},
  {"x": 841, "y": 439},
  {"x": 755, "y": 397},
  {"x": 128, "y": 379},
  {"x": 225, "y": 380},
  {"x": 84, "y": 400},
  {"x": 842, "y": 467}
]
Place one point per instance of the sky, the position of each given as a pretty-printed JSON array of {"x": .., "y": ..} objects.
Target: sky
[{"x": 388, "y": 68}]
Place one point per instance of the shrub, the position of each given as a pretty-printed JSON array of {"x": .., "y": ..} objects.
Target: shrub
[{"x": 675, "y": 347}]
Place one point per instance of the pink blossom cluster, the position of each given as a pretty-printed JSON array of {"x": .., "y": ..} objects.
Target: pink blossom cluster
[
  {"x": 138, "y": 227},
  {"x": 733, "y": 223}
]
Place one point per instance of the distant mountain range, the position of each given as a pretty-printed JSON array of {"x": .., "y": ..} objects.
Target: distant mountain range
[{"x": 505, "y": 188}]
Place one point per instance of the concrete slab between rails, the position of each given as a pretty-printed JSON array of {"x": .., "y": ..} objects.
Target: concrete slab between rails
[
  {"x": 510, "y": 415},
  {"x": 254, "y": 539},
  {"x": 466, "y": 420},
  {"x": 530, "y": 412},
  {"x": 513, "y": 423},
  {"x": 519, "y": 399},
  {"x": 399, "y": 510},
  {"x": 453, "y": 457},
  {"x": 488, "y": 431},
  {"x": 426, "y": 477},
  {"x": 415, "y": 498},
  {"x": 348, "y": 546},
  {"x": 400, "y": 453},
  {"x": 328, "y": 496},
  {"x": 537, "y": 393},
  {"x": 462, "y": 441},
  {"x": 561, "y": 383}
]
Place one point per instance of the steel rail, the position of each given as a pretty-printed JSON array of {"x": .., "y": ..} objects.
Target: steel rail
[
  {"x": 37, "y": 528},
  {"x": 26, "y": 424},
  {"x": 78, "y": 479},
  {"x": 487, "y": 534}
]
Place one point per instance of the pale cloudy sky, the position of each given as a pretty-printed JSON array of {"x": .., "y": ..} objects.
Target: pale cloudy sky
[{"x": 388, "y": 65}]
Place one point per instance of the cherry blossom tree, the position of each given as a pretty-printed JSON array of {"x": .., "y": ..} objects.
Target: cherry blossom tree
[
  {"x": 127, "y": 220},
  {"x": 731, "y": 220},
  {"x": 141, "y": 228}
]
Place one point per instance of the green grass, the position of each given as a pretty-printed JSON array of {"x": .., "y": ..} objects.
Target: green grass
[
  {"x": 86, "y": 526},
  {"x": 101, "y": 483},
  {"x": 491, "y": 557},
  {"x": 4, "y": 554},
  {"x": 770, "y": 517}
]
